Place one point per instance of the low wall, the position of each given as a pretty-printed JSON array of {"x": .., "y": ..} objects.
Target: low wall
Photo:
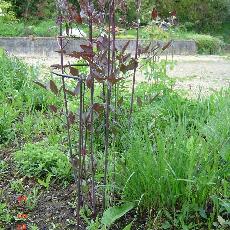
[{"x": 37, "y": 46}]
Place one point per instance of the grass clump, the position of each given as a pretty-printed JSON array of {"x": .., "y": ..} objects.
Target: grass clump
[
  {"x": 178, "y": 158},
  {"x": 40, "y": 159}
]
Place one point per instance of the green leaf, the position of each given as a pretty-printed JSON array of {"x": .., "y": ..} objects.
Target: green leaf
[
  {"x": 166, "y": 225},
  {"x": 114, "y": 213},
  {"x": 128, "y": 227},
  {"x": 42, "y": 182},
  {"x": 221, "y": 220},
  {"x": 203, "y": 213}
]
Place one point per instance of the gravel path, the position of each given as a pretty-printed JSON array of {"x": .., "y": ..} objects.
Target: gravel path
[
  {"x": 198, "y": 75},
  {"x": 201, "y": 74}
]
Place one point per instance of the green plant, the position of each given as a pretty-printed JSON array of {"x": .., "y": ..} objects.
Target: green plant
[
  {"x": 17, "y": 185},
  {"x": 6, "y": 14},
  {"x": 3, "y": 166},
  {"x": 178, "y": 156},
  {"x": 5, "y": 216},
  {"x": 18, "y": 96},
  {"x": 46, "y": 182},
  {"x": 33, "y": 227},
  {"x": 39, "y": 159},
  {"x": 109, "y": 217},
  {"x": 32, "y": 199},
  {"x": 208, "y": 44}
]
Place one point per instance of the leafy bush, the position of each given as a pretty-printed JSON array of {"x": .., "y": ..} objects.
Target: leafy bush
[
  {"x": 6, "y": 14},
  {"x": 208, "y": 44},
  {"x": 44, "y": 28},
  {"x": 205, "y": 15},
  {"x": 33, "y": 8},
  {"x": 39, "y": 159},
  {"x": 11, "y": 29}
]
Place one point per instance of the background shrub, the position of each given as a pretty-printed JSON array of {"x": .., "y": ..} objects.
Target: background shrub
[{"x": 207, "y": 44}]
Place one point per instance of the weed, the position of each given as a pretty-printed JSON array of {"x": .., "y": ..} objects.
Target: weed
[
  {"x": 177, "y": 159},
  {"x": 39, "y": 159},
  {"x": 3, "y": 166},
  {"x": 46, "y": 182},
  {"x": 32, "y": 199},
  {"x": 5, "y": 216},
  {"x": 33, "y": 227},
  {"x": 17, "y": 185}
]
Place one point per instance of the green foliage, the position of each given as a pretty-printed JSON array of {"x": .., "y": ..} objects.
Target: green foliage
[
  {"x": 199, "y": 15},
  {"x": 11, "y": 29},
  {"x": 17, "y": 186},
  {"x": 46, "y": 182},
  {"x": 45, "y": 28},
  {"x": 204, "y": 15},
  {"x": 32, "y": 198},
  {"x": 5, "y": 216},
  {"x": 207, "y": 44},
  {"x": 114, "y": 213},
  {"x": 175, "y": 159},
  {"x": 3, "y": 166},
  {"x": 6, "y": 14},
  {"x": 38, "y": 9},
  {"x": 110, "y": 216},
  {"x": 21, "y": 99},
  {"x": 39, "y": 159}
]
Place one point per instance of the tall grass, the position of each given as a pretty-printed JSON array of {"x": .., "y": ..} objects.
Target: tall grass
[
  {"x": 178, "y": 156},
  {"x": 21, "y": 101}
]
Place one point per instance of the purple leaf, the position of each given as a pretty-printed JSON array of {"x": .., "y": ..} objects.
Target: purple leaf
[
  {"x": 56, "y": 66},
  {"x": 40, "y": 84},
  {"x": 52, "y": 86},
  {"x": 167, "y": 45},
  {"x": 74, "y": 71},
  {"x": 70, "y": 92},
  {"x": 53, "y": 108},
  {"x": 71, "y": 118},
  {"x": 89, "y": 82},
  {"x": 98, "y": 107},
  {"x": 139, "y": 102},
  {"x": 87, "y": 48},
  {"x": 125, "y": 47}
]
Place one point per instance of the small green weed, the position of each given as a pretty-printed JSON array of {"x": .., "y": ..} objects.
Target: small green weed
[
  {"x": 17, "y": 186},
  {"x": 32, "y": 199},
  {"x": 3, "y": 166},
  {"x": 5, "y": 216},
  {"x": 46, "y": 182}
]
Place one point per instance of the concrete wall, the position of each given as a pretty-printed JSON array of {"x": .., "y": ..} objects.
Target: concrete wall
[{"x": 32, "y": 46}]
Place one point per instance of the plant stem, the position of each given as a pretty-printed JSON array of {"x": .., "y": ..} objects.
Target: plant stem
[
  {"x": 107, "y": 113},
  {"x": 79, "y": 158},
  {"x": 92, "y": 119},
  {"x": 138, "y": 3}
]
